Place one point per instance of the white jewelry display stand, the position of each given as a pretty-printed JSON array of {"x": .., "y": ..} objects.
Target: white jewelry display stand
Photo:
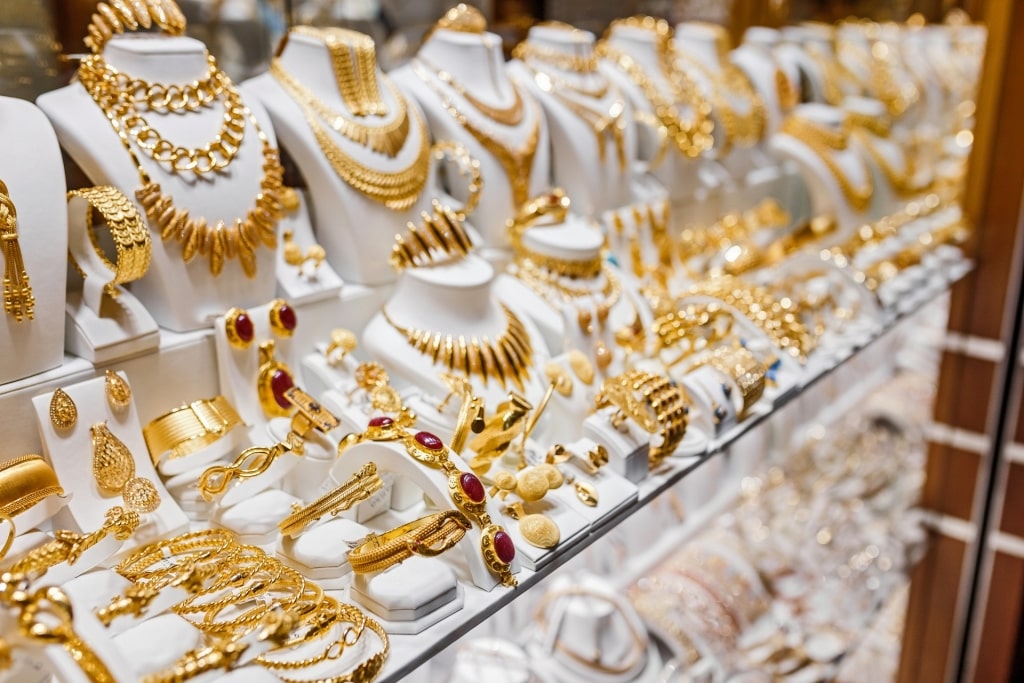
[
  {"x": 304, "y": 284},
  {"x": 827, "y": 197},
  {"x": 156, "y": 644},
  {"x": 99, "y": 328},
  {"x": 320, "y": 552},
  {"x": 95, "y": 590},
  {"x": 70, "y": 453},
  {"x": 356, "y": 231},
  {"x": 613, "y": 491},
  {"x": 452, "y": 299},
  {"x": 31, "y": 168},
  {"x": 179, "y": 296},
  {"x": 574, "y": 143},
  {"x": 412, "y": 596},
  {"x": 475, "y": 62},
  {"x": 885, "y": 201},
  {"x": 754, "y": 56},
  {"x": 685, "y": 179},
  {"x": 391, "y": 457}
]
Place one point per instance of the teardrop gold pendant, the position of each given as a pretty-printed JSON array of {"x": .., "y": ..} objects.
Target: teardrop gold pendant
[
  {"x": 63, "y": 411},
  {"x": 119, "y": 394},
  {"x": 112, "y": 462}
]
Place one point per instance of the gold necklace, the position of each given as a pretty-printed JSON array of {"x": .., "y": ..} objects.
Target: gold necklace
[
  {"x": 19, "y": 302},
  {"x": 556, "y": 58},
  {"x": 692, "y": 137},
  {"x": 517, "y": 163},
  {"x": 745, "y": 129},
  {"x": 785, "y": 91},
  {"x": 507, "y": 116},
  {"x": 217, "y": 242},
  {"x": 506, "y": 359},
  {"x": 901, "y": 181},
  {"x": 823, "y": 142},
  {"x": 354, "y": 61},
  {"x": 397, "y": 190},
  {"x": 829, "y": 71},
  {"x": 387, "y": 139},
  {"x": 548, "y": 287}
]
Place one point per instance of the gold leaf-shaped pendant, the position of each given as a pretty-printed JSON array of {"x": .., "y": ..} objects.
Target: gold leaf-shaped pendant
[{"x": 112, "y": 462}]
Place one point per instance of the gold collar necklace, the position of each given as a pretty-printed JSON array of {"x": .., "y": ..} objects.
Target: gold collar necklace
[
  {"x": 823, "y": 142},
  {"x": 506, "y": 359}
]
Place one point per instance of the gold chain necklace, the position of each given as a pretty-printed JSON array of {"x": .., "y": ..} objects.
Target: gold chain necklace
[
  {"x": 217, "y": 242},
  {"x": 556, "y": 58},
  {"x": 507, "y": 116},
  {"x": 901, "y": 181},
  {"x": 19, "y": 302},
  {"x": 506, "y": 359},
  {"x": 387, "y": 139},
  {"x": 692, "y": 137},
  {"x": 546, "y": 285},
  {"x": 517, "y": 163},
  {"x": 745, "y": 129},
  {"x": 354, "y": 61},
  {"x": 823, "y": 142},
  {"x": 829, "y": 71},
  {"x": 397, "y": 190}
]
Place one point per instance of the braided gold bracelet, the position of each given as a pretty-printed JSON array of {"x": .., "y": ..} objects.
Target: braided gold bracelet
[
  {"x": 358, "y": 488},
  {"x": 199, "y": 547},
  {"x": 364, "y": 672},
  {"x": 187, "y": 429},
  {"x": 428, "y": 537}
]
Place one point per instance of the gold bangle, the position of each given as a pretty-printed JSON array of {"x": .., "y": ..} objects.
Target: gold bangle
[
  {"x": 743, "y": 368},
  {"x": 364, "y": 672},
  {"x": 660, "y": 408},
  {"x": 24, "y": 482},
  {"x": 428, "y": 537},
  {"x": 129, "y": 233},
  {"x": 189, "y": 428},
  {"x": 440, "y": 233},
  {"x": 68, "y": 546},
  {"x": 205, "y": 545},
  {"x": 358, "y": 488}
]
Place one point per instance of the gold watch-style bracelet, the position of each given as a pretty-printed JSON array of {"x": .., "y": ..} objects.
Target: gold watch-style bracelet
[
  {"x": 358, "y": 488},
  {"x": 187, "y": 429},
  {"x": 428, "y": 537}
]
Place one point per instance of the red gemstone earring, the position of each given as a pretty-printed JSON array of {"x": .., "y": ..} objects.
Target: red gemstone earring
[
  {"x": 275, "y": 378},
  {"x": 282, "y": 318},
  {"x": 239, "y": 328}
]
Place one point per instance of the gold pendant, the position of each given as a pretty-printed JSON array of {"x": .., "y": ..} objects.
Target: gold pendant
[
  {"x": 275, "y": 378},
  {"x": 112, "y": 462}
]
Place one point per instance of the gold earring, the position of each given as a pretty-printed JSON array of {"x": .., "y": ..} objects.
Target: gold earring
[
  {"x": 119, "y": 394},
  {"x": 63, "y": 411},
  {"x": 343, "y": 342},
  {"x": 140, "y": 495},
  {"x": 275, "y": 378},
  {"x": 283, "y": 320},
  {"x": 238, "y": 328},
  {"x": 294, "y": 256},
  {"x": 112, "y": 462}
]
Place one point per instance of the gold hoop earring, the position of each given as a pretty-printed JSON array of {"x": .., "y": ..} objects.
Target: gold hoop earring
[
  {"x": 283, "y": 320},
  {"x": 119, "y": 394},
  {"x": 63, "y": 411},
  {"x": 275, "y": 378}
]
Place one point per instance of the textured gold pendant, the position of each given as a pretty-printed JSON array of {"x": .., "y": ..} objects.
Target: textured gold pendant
[
  {"x": 119, "y": 394},
  {"x": 112, "y": 462},
  {"x": 540, "y": 531},
  {"x": 140, "y": 495},
  {"x": 63, "y": 412}
]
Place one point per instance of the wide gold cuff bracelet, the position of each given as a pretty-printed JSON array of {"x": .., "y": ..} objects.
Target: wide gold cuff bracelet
[
  {"x": 358, "y": 488},
  {"x": 743, "y": 368},
  {"x": 429, "y": 537},
  {"x": 127, "y": 230},
  {"x": 191, "y": 427},
  {"x": 655, "y": 403},
  {"x": 24, "y": 482}
]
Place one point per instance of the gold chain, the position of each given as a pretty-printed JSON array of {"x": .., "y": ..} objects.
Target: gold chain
[
  {"x": 387, "y": 139},
  {"x": 506, "y": 359},
  {"x": 692, "y": 137},
  {"x": 901, "y": 181},
  {"x": 506, "y": 116},
  {"x": 397, "y": 190},
  {"x": 556, "y": 58},
  {"x": 823, "y": 142},
  {"x": 744, "y": 129},
  {"x": 517, "y": 163},
  {"x": 354, "y": 60}
]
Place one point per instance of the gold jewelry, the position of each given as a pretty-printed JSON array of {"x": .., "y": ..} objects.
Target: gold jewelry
[
  {"x": 112, "y": 462},
  {"x": 539, "y": 530},
  {"x": 788, "y": 95},
  {"x": 499, "y": 432},
  {"x": 19, "y": 301},
  {"x": 154, "y": 560},
  {"x": 343, "y": 342},
  {"x": 506, "y": 359},
  {"x": 902, "y": 182},
  {"x": 119, "y": 16},
  {"x": 239, "y": 328},
  {"x": 133, "y": 603},
  {"x": 24, "y": 482},
  {"x": 586, "y": 493},
  {"x": 471, "y": 410},
  {"x": 221, "y": 654},
  {"x": 189, "y": 428},
  {"x": 691, "y": 137},
  {"x": 427, "y": 537},
  {"x": 442, "y": 232},
  {"x": 823, "y": 141},
  {"x": 371, "y": 377},
  {"x": 465, "y": 488},
  {"x": 354, "y": 60},
  {"x": 130, "y": 236},
  {"x": 294, "y": 256},
  {"x": 876, "y": 125},
  {"x": 283, "y": 319},
  {"x": 140, "y": 495},
  {"x": 506, "y": 116},
  {"x": 68, "y": 546},
  {"x": 661, "y": 408},
  {"x": 309, "y": 415},
  {"x": 119, "y": 394},
  {"x": 746, "y": 129},
  {"x": 518, "y": 162},
  {"x": 469, "y": 168},
  {"x": 275, "y": 378},
  {"x": 581, "y": 366},
  {"x": 359, "y": 487},
  {"x": 63, "y": 411},
  {"x": 566, "y": 61},
  {"x": 743, "y": 368},
  {"x": 397, "y": 190}
]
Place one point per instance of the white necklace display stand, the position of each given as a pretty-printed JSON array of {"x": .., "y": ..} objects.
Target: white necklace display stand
[
  {"x": 827, "y": 197},
  {"x": 31, "y": 168},
  {"x": 769, "y": 78},
  {"x": 794, "y": 50},
  {"x": 179, "y": 296},
  {"x": 356, "y": 231},
  {"x": 886, "y": 199},
  {"x": 575, "y": 145},
  {"x": 475, "y": 62}
]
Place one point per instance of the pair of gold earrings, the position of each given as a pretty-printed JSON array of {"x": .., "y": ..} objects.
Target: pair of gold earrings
[
  {"x": 64, "y": 412},
  {"x": 241, "y": 331}
]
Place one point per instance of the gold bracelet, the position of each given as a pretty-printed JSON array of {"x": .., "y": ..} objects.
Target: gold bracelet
[
  {"x": 661, "y": 408},
  {"x": 68, "y": 546},
  {"x": 129, "y": 232},
  {"x": 154, "y": 561},
  {"x": 442, "y": 232},
  {"x": 364, "y": 672},
  {"x": 428, "y": 537},
  {"x": 189, "y": 428},
  {"x": 358, "y": 488},
  {"x": 743, "y": 368},
  {"x": 24, "y": 482}
]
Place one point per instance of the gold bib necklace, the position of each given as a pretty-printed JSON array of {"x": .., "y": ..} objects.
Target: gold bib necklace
[{"x": 506, "y": 359}]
